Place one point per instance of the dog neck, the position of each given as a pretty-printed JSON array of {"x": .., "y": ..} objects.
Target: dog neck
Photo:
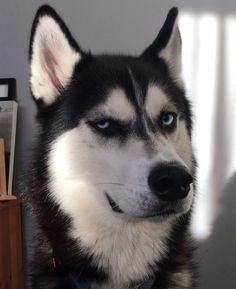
[
  {"x": 76, "y": 283},
  {"x": 127, "y": 250}
]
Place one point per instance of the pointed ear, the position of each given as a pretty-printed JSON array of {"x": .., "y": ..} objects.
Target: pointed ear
[
  {"x": 167, "y": 44},
  {"x": 53, "y": 55}
]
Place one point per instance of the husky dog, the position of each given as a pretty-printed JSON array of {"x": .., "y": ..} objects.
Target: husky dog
[{"x": 113, "y": 169}]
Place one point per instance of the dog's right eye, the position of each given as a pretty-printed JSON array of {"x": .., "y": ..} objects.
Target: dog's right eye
[
  {"x": 106, "y": 127},
  {"x": 103, "y": 124}
]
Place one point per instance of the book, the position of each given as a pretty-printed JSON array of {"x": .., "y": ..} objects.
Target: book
[
  {"x": 3, "y": 189},
  {"x": 8, "y": 122}
]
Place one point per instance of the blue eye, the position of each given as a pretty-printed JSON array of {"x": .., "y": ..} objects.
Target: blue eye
[
  {"x": 108, "y": 127},
  {"x": 103, "y": 124},
  {"x": 105, "y": 127},
  {"x": 168, "y": 120}
]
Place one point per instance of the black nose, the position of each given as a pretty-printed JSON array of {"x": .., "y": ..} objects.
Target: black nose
[{"x": 170, "y": 182}]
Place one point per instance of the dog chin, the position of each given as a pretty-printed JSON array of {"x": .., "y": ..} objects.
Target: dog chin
[{"x": 161, "y": 212}]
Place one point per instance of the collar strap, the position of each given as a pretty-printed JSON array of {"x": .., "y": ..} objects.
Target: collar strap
[
  {"x": 146, "y": 284},
  {"x": 81, "y": 285}
]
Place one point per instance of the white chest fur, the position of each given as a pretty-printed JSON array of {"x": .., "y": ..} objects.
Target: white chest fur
[{"x": 124, "y": 248}]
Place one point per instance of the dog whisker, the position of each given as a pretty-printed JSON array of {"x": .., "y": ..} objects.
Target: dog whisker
[{"x": 116, "y": 184}]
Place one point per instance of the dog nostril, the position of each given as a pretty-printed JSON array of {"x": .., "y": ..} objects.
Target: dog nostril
[
  {"x": 185, "y": 187},
  {"x": 187, "y": 179},
  {"x": 163, "y": 184}
]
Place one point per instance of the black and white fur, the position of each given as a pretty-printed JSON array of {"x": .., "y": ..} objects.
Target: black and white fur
[{"x": 81, "y": 168}]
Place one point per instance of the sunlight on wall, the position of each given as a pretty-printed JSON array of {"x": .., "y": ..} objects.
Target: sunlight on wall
[
  {"x": 230, "y": 88},
  {"x": 209, "y": 54}
]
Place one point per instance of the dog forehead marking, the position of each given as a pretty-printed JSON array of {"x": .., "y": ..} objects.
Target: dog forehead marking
[
  {"x": 138, "y": 97},
  {"x": 140, "y": 108},
  {"x": 116, "y": 105},
  {"x": 155, "y": 100},
  {"x": 137, "y": 89}
]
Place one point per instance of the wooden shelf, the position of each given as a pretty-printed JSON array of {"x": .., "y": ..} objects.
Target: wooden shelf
[
  {"x": 11, "y": 273},
  {"x": 4, "y": 198}
]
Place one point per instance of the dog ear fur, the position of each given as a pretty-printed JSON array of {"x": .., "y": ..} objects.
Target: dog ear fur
[
  {"x": 167, "y": 44},
  {"x": 53, "y": 55}
]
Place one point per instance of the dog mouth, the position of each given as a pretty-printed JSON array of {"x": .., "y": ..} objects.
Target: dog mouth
[
  {"x": 113, "y": 205},
  {"x": 162, "y": 212}
]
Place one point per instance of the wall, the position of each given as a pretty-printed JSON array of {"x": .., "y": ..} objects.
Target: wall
[{"x": 112, "y": 26}]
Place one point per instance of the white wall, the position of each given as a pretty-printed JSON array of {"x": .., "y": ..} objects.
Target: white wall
[{"x": 111, "y": 26}]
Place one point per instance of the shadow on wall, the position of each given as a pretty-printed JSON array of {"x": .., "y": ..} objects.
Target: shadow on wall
[{"x": 217, "y": 255}]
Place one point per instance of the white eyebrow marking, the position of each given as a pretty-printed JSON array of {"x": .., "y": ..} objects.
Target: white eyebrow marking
[
  {"x": 117, "y": 106},
  {"x": 155, "y": 100}
]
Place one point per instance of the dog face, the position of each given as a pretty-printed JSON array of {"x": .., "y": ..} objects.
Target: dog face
[{"x": 117, "y": 128}]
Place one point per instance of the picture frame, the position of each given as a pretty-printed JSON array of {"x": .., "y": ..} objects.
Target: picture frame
[{"x": 7, "y": 89}]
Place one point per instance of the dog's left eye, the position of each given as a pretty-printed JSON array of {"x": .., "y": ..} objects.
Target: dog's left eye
[{"x": 168, "y": 120}]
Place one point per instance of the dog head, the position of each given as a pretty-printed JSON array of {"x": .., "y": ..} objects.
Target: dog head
[{"x": 115, "y": 129}]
